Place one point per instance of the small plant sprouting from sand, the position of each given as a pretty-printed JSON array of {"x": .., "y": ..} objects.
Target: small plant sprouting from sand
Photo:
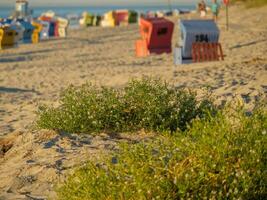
[
  {"x": 219, "y": 157},
  {"x": 147, "y": 104}
]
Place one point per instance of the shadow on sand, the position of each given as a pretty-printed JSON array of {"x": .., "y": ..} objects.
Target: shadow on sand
[
  {"x": 17, "y": 59},
  {"x": 16, "y": 90},
  {"x": 247, "y": 44},
  {"x": 21, "y": 56}
]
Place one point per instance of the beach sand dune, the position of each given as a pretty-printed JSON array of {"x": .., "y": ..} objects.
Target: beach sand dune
[
  {"x": 33, "y": 162},
  {"x": 35, "y": 74}
]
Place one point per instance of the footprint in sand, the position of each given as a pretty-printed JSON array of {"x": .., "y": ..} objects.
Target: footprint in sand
[
  {"x": 246, "y": 98},
  {"x": 234, "y": 82}
]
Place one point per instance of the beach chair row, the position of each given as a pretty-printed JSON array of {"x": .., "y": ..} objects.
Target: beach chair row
[
  {"x": 109, "y": 19},
  {"x": 16, "y": 31},
  {"x": 199, "y": 38}
]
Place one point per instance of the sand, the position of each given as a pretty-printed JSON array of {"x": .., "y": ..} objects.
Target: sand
[
  {"x": 32, "y": 75},
  {"x": 38, "y": 160}
]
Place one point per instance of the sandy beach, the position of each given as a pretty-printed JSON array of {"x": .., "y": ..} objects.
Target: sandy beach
[{"x": 34, "y": 74}]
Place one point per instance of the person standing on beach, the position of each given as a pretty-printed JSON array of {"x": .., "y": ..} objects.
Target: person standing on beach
[
  {"x": 202, "y": 9},
  {"x": 215, "y": 7}
]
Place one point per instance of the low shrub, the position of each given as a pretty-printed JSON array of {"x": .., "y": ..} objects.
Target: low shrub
[
  {"x": 220, "y": 157},
  {"x": 147, "y": 104}
]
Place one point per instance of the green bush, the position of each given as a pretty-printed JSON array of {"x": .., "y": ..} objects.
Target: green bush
[
  {"x": 148, "y": 104},
  {"x": 220, "y": 157}
]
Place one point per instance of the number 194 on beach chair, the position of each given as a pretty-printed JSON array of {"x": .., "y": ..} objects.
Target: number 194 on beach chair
[{"x": 199, "y": 42}]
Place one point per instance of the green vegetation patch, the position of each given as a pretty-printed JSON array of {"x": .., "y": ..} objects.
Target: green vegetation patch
[
  {"x": 253, "y": 3},
  {"x": 219, "y": 157},
  {"x": 147, "y": 104}
]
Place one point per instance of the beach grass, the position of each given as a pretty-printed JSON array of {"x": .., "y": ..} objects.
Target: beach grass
[
  {"x": 200, "y": 152},
  {"x": 253, "y": 3},
  {"x": 221, "y": 156},
  {"x": 149, "y": 104}
]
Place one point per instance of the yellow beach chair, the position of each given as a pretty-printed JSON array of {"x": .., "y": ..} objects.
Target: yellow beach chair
[
  {"x": 87, "y": 19},
  {"x": 109, "y": 20},
  {"x": 18, "y": 32},
  {"x": 36, "y": 33},
  {"x": 7, "y": 37}
]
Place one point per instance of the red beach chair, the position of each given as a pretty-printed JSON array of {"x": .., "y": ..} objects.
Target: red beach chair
[
  {"x": 121, "y": 17},
  {"x": 156, "y": 33}
]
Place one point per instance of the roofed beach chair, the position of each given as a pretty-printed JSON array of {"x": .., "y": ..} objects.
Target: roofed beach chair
[
  {"x": 7, "y": 37},
  {"x": 62, "y": 26},
  {"x": 28, "y": 30},
  {"x": 87, "y": 19},
  {"x": 121, "y": 17},
  {"x": 133, "y": 17},
  {"x": 199, "y": 42},
  {"x": 108, "y": 20},
  {"x": 53, "y": 25},
  {"x": 16, "y": 26},
  {"x": 156, "y": 36},
  {"x": 44, "y": 34},
  {"x": 37, "y": 32}
]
